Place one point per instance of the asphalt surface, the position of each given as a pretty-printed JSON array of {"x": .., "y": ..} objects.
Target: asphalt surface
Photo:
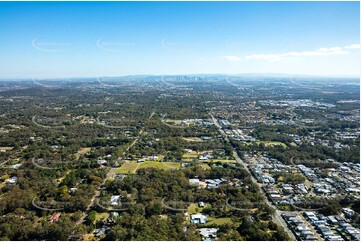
[{"x": 276, "y": 217}]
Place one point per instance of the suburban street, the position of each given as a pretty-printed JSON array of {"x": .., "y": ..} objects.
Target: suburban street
[{"x": 277, "y": 218}]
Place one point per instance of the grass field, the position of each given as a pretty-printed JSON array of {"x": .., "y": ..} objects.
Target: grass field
[
  {"x": 174, "y": 121},
  {"x": 219, "y": 221},
  {"x": 188, "y": 157},
  {"x": 132, "y": 166},
  {"x": 193, "y": 208},
  {"x": 82, "y": 151},
  {"x": 128, "y": 167},
  {"x": 205, "y": 166},
  {"x": 193, "y": 139},
  {"x": 159, "y": 165},
  {"x": 195, "y": 154},
  {"x": 101, "y": 216},
  {"x": 272, "y": 143}
]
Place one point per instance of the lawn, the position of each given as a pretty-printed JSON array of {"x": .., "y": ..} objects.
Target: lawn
[
  {"x": 132, "y": 166},
  {"x": 195, "y": 154},
  {"x": 219, "y": 221},
  {"x": 101, "y": 216},
  {"x": 193, "y": 139},
  {"x": 82, "y": 151},
  {"x": 128, "y": 167},
  {"x": 193, "y": 208},
  {"x": 174, "y": 121},
  {"x": 160, "y": 165},
  {"x": 205, "y": 167},
  {"x": 272, "y": 143}
]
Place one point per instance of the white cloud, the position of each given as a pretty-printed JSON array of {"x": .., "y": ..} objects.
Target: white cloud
[
  {"x": 354, "y": 46},
  {"x": 294, "y": 55},
  {"x": 263, "y": 57},
  {"x": 231, "y": 58}
]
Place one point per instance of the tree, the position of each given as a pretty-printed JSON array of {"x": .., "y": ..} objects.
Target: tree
[{"x": 92, "y": 216}]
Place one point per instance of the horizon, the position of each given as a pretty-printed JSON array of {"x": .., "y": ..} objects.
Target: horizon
[
  {"x": 283, "y": 75},
  {"x": 62, "y": 40}
]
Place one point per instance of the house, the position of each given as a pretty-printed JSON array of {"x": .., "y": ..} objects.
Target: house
[
  {"x": 310, "y": 238},
  {"x": 201, "y": 204},
  {"x": 194, "y": 181},
  {"x": 55, "y": 217},
  {"x": 114, "y": 200},
  {"x": 208, "y": 233},
  {"x": 12, "y": 180},
  {"x": 198, "y": 218},
  {"x": 73, "y": 189},
  {"x": 99, "y": 232},
  {"x": 334, "y": 238},
  {"x": 102, "y": 162},
  {"x": 306, "y": 232},
  {"x": 16, "y": 166},
  {"x": 331, "y": 220},
  {"x": 348, "y": 212},
  {"x": 211, "y": 185},
  {"x": 55, "y": 147},
  {"x": 301, "y": 227},
  {"x": 120, "y": 176},
  {"x": 319, "y": 222},
  {"x": 206, "y": 156},
  {"x": 153, "y": 157},
  {"x": 340, "y": 219}
]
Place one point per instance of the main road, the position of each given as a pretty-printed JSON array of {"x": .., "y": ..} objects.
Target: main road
[{"x": 277, "y": 216}]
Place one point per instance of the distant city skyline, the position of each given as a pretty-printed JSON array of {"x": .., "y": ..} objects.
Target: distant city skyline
[{"x": 90, "y": 39}]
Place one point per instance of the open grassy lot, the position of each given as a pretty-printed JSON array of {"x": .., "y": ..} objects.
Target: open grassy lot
[
  {"x": 205, "y": 166},
  {"x": 101, "y": 216},
  {"x": 219, "y": 221},
  {"x": 193, "y": 139},
  {"x": 132, "y": 166},
  {"x": 194, "y": 154},
  {"x": 88, "y": 237},
  {"x": 160, "y": 157},
  {"x": 128, "y": 167},
  {"x": 272, "y": 143},
  {"x": 84, "y": 150},
  {"x": 192, "y": 208},
  {"x": 173, "y": 121},
  {"x": 160, "y": 165}
]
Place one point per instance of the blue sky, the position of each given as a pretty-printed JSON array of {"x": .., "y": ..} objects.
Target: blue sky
[{"x": 87, "y": 39}]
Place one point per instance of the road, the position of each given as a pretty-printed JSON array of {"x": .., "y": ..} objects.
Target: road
[
  {"x": 108, "y": 176},
  {"x": 276, "y": 217}
]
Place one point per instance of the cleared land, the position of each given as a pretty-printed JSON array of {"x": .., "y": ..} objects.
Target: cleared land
[
  {"x": 132, "y": 166},
  {"x": 193, "y": 139},
  {"x": 272, "y": 143}
]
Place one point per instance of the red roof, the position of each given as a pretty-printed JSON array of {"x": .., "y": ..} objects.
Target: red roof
[{"x": 55, "y": 217}]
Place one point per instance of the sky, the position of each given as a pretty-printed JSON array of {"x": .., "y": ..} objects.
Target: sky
[{"x": 90, "y": 39}]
